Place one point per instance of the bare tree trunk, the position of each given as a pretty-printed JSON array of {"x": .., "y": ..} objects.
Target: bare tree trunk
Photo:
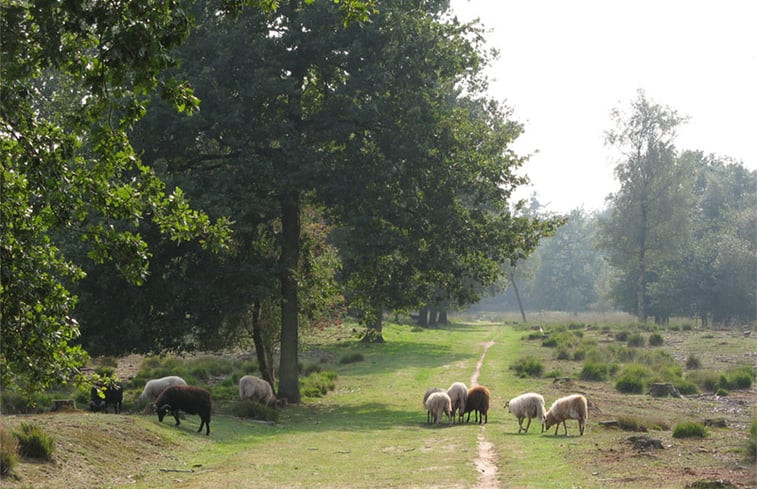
[
  {"x": 289, "y": 384},
  {"x": 263, "y": 354},
  {"x": 423, "y": 316},
  {"x": 517, "y": 297}
]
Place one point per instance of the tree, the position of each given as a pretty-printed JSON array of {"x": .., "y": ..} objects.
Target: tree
[
  {"x": 648, "y": 218},
  {"x": 73, "y": 172}
]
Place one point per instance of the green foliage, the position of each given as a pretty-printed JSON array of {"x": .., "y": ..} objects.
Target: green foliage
[
  {"x": 693, "y": 362},
  {"x": 318, "y": 384},
  {"x": 633, "y": 379},
  {"x": 751, "y": 447},
  {"x": 636, "y": 423},
  {"x": 595, "y": 371},
  {"x": 686, "y": 387},
  {"x": 722, "y": 391},
  {"x": 707, "y": 380},
  {"x": 636, "y": 340},
  {"x": 33, "y": 442},
  {"x": 351, "y": 358},
  {"x": 8, "y": 455},
  {"x": 740, "y": 377},
  {"x": 655, "y": 339},
  {"x": 528, "y": 366},
  {"x": 254, "y": 410},
  {"x": 689, "y": 429},
  {"x": 622, "y": 336}
]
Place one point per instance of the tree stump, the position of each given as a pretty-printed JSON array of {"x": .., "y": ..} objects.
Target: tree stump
[
  {"x": 659, "y": 389},
  {"x": 61, "y": 404}
]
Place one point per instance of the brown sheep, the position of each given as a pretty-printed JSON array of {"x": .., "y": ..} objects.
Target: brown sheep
[{"x": 478, "y": 402}]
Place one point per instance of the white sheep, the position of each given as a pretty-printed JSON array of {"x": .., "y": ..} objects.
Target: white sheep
[
  {"x": 425, "y": 398},
  {"x": 257, "y": 389},
  {"x": 154, "y": 387},
  {"x": 458, "y": 393},
  {"x": 529, "y": 405},
  {"x": 569, "y": 407},
  {"x": 438, "y": 403}
]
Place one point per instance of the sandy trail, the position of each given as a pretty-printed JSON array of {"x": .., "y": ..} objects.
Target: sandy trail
[{"x": 486, "y": 462}]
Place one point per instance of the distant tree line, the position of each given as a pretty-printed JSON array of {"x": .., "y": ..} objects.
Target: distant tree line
[{"x": 677, "y": 239}]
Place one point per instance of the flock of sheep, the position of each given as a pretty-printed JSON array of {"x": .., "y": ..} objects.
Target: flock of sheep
[
  {"x": 459, "y": 400},
  {"x": 172, "y": 394}
]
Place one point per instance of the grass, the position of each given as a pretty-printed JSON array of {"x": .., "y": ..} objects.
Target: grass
[{"x": 370, "y": 430}]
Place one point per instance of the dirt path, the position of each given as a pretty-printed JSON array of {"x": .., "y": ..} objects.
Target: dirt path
[{"x": 486, "y": 462}]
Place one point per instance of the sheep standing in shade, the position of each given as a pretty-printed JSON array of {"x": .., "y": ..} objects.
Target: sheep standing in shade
[
  {"x": 458, "y": 393},
  {"x": 425, "y": 398},
  {"x": 188, "y": 398},
  {"x": 257, "y": 389},
  {"x": 569, "y": 407},
  {"x": 530, "y": 405},
  {"x": 438, "y": 403},
  {"x": 478, "y": 402}
]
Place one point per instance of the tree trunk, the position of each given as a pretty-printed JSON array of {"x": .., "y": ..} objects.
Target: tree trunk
[
  {"x": 517, "y": 297},
  {"x": 432, "y": 321},
  {"x": 423, "y": 316},
  {"x": 289, "y": 386},
  {"x": 641, "y": 280},
  {"x": 443, "y": 317},
  {"x": 263, "y": 355}
]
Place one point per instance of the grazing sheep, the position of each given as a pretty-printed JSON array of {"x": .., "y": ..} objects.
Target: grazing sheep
[
  {"x": 154, "y": 387},
  {"x": 569, "y": 407},
  {"x": 530, "y": 405},
  {"x": 438, "y": 403},
  {"x": 188, "y": 398},
  {"x": 478, "y": 402},
  {"x": 114, "y": 394},
  {"x": 458, "y": 392},
  {"x": 257, "y": 389},
  {"x": 425, "y": 398}
]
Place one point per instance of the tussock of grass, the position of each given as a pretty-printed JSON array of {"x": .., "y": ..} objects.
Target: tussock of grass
[
  {"x": 689, "y": 429},
  {"x": 33, "y": 442},
  {"x": 638, "y": 424}
]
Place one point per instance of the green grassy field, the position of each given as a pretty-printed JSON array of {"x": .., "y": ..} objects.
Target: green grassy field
[{"x": 371, "y": 430}]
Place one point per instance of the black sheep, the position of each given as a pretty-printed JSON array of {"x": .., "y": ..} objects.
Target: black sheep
[
  {"x": 187, "y": 398},
  {"x": 114, "y": 394}
]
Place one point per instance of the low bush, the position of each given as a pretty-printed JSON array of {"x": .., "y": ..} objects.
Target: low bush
[
  {"x": 622, "y": 336},
  {"x": 33, "y": 442},
  {"x": 689, "y": 429},
  {"x": 528, "y": 366},
  {"x": 655, "y": 339},
  {"x": 595, "y": 371},
  {"x": 636, "y": 423},
  {"x": 318, "y": 384},
  {"x": 633, "y": 379},
  {"x": 707, "y": 380},
  {"x": 693, "y": 363},
  {"x": 636, "y": 340},
  {"x": 254, "y": 410},
  {"x": 351, "y": 358},
  {"x": 751, "y": 447},
  {"x": 739, "y": 377},
  {"x": 8, "y": 455},
  {"x": 563, "y": 354},
  {"x": 686, "y": 387}
]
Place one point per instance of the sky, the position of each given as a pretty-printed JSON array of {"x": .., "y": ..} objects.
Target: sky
[{"x": 564, "y": 65}]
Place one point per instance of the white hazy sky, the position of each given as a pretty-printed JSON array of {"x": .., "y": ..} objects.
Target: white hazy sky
[{"x": 564, "y": 65}]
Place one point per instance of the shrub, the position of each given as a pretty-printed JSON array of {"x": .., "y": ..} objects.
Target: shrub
[
  {"x": 689, "y": 429},
  {"x": 563, "y": 354},
  {"x": 687, "y": 327},
  {"x": 636, "y": 340},
  {"x": 8, "y": 455},
  {"x": 550, "y": 342},
  {"x": 693, "y": 363},
  {"x": 318, "y": 384},
  {"x": 351, "y": 358},
  {"x": 635, "y": 423},
  {"x": 722, "y": 392},
  {"x": 686, "y": 387},
  {"x": 254, "y": 410},
  {"x": 528, "y": 366},
  {"x": 594, "y": 371},
  {"x": 738, "y": 377},
  {"x": 706, "y": 379},
  {"x": 621, "y": 336},
  {"x": 579, "y": 355},
  {"x": 33, "y": 442},
  {"x": 633, "y": 379},
  {"x": 655, "y": 339},
  {"x": 751, "y": 447}
]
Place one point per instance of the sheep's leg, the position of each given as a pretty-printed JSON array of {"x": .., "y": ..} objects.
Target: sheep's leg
[
  {"x": 581, "y": 426},
  {"x": 528, "y": 425},
  {"x": 565, "y": 425},
  {"x": 176, "y": 416}
]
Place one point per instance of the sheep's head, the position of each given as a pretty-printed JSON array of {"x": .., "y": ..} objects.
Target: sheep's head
[
  {"x": 549, "y": 421},
  {"x": 162, "y": 410},
  {"x": 507, "y": 406}
]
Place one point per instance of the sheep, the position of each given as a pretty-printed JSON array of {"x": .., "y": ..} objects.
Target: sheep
[
  {"x": 529, "y": 405},
  {"x": 438, "y": 403},
  {"x": 257, "y": 389},
  {"x": 478, "y": 402},
  {"x": 154, "y": 387},
  {"x": 188, "y": 398},
  {"x": 458, "y": 392},
  {"x": 425, "y": 398},
  {"x": 569, "y": 407},
  {"x": 114, "y": 394}
]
